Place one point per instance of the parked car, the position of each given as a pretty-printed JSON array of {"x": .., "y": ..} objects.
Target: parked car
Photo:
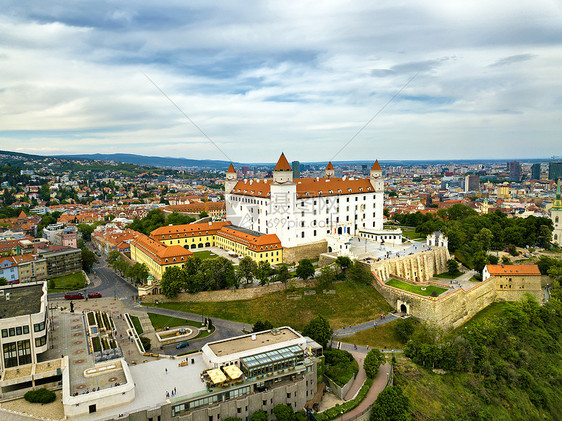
[
  {"x": 73, "y": 296},
  {"x": 182, "y": 345},
  {"x": 94, "y": 294}
]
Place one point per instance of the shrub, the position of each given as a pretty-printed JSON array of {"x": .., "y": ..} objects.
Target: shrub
[
  {"x": 145, "y": 342},
  {"x": 41, "y": 396}
]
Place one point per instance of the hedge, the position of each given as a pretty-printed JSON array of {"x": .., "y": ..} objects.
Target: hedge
[
  {"x": 41, "y": 396},
  {"x": 335, "y": 412}
]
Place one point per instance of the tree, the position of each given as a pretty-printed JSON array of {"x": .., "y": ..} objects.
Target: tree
[
  {"x": 283, "y": 412},
  {"x": 484, "y": 237},
  {"x": 359, "y": 273},
  {"x": 282, "y": 273},
  {"x": 372, "y": 362},
  {"x": 259, "y": 416},
  {"x": 452, "y": 266},
  {"x": 391, "y": 405},
  {"x": 248, "y": 268},
  {"x": 326, "y": 277},
  {"x": 263, "y": 271},
  {"x": 261, "y": 326},
  {"x": 88, "y": 259},
  {"x": 319, "y": 330},
  {"x": 45, "y": 193},
  {"x": 203, "y": 214},
  {"x": 3, "y": 281},
  {"x": 343, "y": 262},
  {"x": 86, "y": 231},
  {"x": 171, "y": 282},
  {"x": 403, "y": 329},
  {"x": 305, "y": 269}
]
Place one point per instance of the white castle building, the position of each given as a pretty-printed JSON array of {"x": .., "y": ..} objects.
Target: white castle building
[{"x": 305, "y": 210}]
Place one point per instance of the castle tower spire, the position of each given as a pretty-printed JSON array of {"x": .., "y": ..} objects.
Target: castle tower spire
[
  {"x": 330, "y": 172},
  {"x": 282, "y": 173},
  {"x": 231, "y": 179}
]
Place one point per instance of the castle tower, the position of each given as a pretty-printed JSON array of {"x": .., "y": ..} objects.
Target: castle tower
[
  {"x": 330, "y": 170},
  {"x": 282, "y": 173},
  {"x": 231, "y": 179},
  {"x": 556, "y": 216},
  {"x": 376, "y": 177}
]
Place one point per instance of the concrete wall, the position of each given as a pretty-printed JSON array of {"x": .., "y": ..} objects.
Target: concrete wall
[
  {"x": 305, "y": 251},
  {"x": 227, "y": 294},
  {"x": 339, "y": 391}
]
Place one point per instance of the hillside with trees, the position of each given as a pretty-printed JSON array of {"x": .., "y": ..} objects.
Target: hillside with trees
[
  {"x": 506, "y": 363},
  {"x": 471, "y": 235}
]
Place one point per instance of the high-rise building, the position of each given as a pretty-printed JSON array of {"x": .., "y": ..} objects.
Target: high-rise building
[
  {"x": 296, "y": 169},
  {"x": 364, "y": 169},
  {"x": 554, "y": 170},
  {"x": 245, "y": 170},
  {"x": 515, "y": 171},
  {"x": 471, "y": 183},
  {"x": 536, "y": 171}
]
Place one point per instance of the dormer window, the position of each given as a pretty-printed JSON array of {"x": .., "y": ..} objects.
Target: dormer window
[
  {"x": 307, "y": 194},
  {"x": 331, "y": 191},
  {"x": 349, "y": 190},
  {"x": 339, "y": 190},
  {"x": 360, "y": 188}
]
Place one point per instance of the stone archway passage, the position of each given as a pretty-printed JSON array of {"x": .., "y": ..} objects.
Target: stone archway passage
[{"x": 403, "y": 309}]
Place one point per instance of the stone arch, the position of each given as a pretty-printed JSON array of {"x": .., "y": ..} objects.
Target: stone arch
[
  {"x": 193, "y": 246},
  {"x": 339, "y": 230},
  {"x": 403, "y": 307},
  {"x": 330, "y": 248},
  {"x": 207, "y": 244},
  {"x": 200, "y": 245}
]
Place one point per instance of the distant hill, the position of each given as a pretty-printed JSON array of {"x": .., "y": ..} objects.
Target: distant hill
[{"x": 154, "y": 161}]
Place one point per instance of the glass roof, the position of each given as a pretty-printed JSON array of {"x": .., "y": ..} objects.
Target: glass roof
[{"x": 272, "y": 356}]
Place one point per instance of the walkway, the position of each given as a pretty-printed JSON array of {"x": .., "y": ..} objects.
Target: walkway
[
  {"x": 351, "y": 330},
  {"x": 378, "y": 386}
]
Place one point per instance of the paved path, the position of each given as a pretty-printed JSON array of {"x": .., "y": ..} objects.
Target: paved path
[
  {"x": 360, "y": 378},
  {"x": 347, "y": 331},
  {"x": 378, "y": 386}
]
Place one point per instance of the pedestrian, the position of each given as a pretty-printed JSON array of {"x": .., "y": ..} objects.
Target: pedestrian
[
  {"x": 174, "y": 390},
  {"x": 166, "y": 370}
]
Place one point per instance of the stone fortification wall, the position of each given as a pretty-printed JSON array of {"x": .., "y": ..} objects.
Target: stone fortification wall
[
  {"x": 449, "y": 311},
  {"x": 227, "y": 294},
  {"x": 305, "y": 251},
  {"x": 326, "y": 260},
  {"x": 416, "y": 267}
]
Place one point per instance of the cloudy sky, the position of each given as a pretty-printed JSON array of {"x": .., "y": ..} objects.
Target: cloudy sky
[{"x": 303, "y": 77}]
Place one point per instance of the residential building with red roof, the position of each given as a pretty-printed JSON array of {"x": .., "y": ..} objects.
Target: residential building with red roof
[{"x": 510, "y": 281}]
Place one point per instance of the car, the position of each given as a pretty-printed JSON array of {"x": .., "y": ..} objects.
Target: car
[
  {"x": 73, "y": 296},
  {"x": 94, "y": 294},
  {"x": 182, "y": 345}
]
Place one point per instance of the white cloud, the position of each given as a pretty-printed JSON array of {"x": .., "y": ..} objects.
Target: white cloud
[{"x": 298, "y": 76}]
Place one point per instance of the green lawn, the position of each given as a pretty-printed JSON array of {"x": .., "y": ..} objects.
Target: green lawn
[
  {"x": 137, "y": 325},
  {"x": 417, "y": 289},
  {"x": 409, "y": 232},
  {"x": 64, "y": 283},
  {"x": 160, "y": 322},
  {"x": 382, "y": 337},
  {"x": 352, "y": 304},
  {"x": 204, "y": 254}
]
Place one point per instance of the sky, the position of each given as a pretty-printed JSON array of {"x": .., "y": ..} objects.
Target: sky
[{"x": 247, "y": 80}]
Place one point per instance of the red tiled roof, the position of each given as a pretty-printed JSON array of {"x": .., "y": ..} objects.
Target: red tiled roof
[
  {"x": 307, "y": 187},
  {"x": 178, "y": 231},
  {"x": 231, "y": 169},
  {"x": 282, "y": 164},
  {"x": 329, "y": 166},
  {"x": 376, "y": 166},
  {"x": 513, "y": 270},
  {"x": 160, "y": 253}
]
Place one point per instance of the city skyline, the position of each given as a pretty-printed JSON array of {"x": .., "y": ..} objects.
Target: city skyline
[{"x": 296, "y": 77}]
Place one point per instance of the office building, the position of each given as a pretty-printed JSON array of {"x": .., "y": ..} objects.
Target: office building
[
  {"x": 471, "y": 183},
  {"x": 296, "y": 169},
  {"x": 554, "y": 170},
  {"x": 536, "y": 171},
  {"x": 515, "y": 171}
]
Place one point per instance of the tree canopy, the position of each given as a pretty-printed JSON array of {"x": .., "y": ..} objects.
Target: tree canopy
[{"x": 319, "y": 329}]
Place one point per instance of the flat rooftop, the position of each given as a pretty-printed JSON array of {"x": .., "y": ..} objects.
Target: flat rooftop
[
  {"x": 23, "y": 300},
  {"x": 245, "y": 343}
]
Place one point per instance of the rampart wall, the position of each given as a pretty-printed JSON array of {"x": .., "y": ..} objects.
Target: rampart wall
[
  {"x": 417, "y": 267},
  {"x": 305, "y": 251}
]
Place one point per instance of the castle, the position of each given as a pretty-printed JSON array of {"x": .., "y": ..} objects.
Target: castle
[{"x": 304, "y": 211}]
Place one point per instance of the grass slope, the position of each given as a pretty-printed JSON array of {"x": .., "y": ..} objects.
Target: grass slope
[
  {"x": 383, "y": 337},
  {"x": 160, "y": 322},
  {"x": 352, "y": 304}
]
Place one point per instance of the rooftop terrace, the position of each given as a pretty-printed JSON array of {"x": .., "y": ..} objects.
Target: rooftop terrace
[{"x": 246, "y": 343}]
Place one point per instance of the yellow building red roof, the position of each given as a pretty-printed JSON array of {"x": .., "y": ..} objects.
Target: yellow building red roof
[
  {"x": 178, "y": 231},
  {"x": 513, "y": 270},
  {"x": 254, "y": 241},
  {"x": 160, "y": 253}
]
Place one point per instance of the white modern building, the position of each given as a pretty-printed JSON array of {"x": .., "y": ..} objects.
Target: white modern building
[
  {"x": 23, "y": 325},
  {"x": 305, "y": 210}
]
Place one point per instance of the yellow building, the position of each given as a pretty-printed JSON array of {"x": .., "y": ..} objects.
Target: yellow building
[
  {"x": 31, "y": 268},
  {"x": 157, "y": 256},
  {"x": 190, "y": 236},
  {"x": 245, "y": 242}
]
